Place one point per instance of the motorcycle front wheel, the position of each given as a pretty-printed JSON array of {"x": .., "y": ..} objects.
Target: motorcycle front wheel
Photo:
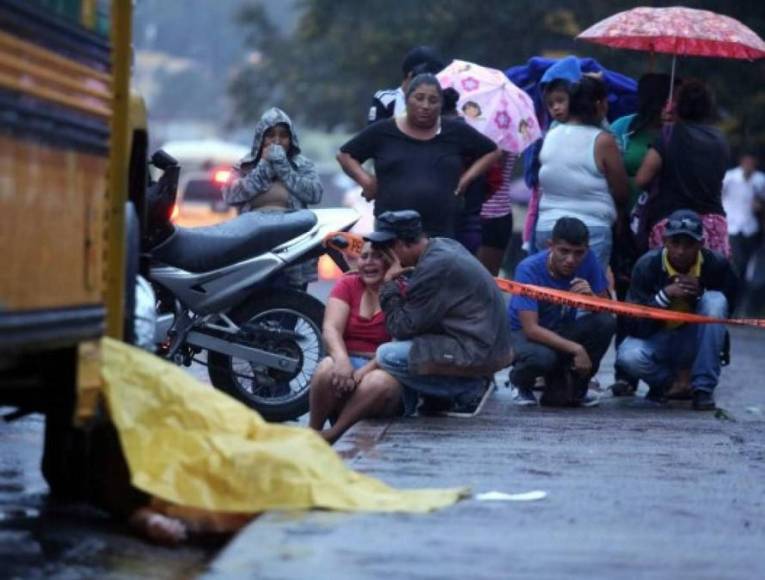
[{"x": 285, "y": 322}]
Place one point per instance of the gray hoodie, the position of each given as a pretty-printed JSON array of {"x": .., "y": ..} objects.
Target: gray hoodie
[{"x": 257, "y": 174}]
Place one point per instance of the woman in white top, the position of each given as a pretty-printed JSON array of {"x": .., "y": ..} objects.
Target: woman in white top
[{"x": 581, "y": 173}]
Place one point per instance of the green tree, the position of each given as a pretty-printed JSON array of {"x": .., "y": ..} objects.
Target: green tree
[{"x": 341, "y": 51}]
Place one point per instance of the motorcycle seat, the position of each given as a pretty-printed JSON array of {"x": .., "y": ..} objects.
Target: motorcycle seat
[{"x": 246, "y": 236}]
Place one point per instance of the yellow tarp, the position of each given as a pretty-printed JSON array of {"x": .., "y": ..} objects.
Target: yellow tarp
[{"x": 193, "y": 446}]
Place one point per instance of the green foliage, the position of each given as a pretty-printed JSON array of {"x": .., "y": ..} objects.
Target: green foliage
[{"x": 341, "y": 51}]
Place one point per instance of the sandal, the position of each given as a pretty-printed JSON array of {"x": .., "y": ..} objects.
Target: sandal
[{"x": 680, "y": 392}]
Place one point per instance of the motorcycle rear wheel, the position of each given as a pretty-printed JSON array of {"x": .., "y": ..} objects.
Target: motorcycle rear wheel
[{"x": 276, "y": 395}]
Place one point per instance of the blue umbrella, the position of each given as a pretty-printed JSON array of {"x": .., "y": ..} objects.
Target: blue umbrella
[{"x": 622, "y": 92}]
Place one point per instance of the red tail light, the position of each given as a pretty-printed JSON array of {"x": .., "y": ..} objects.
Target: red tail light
[
  {"x": 175, "y": 212},
  {"x": 222, "y": 176}
]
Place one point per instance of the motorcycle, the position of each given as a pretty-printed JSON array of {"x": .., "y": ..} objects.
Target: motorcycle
[{"x": 222, "y": 300}]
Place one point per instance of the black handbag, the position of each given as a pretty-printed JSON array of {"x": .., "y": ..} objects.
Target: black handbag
[{"x": 563, "y": 389}]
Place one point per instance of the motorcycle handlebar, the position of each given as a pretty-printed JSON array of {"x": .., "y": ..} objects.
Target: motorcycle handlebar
[{"x": 162, "y": 160}]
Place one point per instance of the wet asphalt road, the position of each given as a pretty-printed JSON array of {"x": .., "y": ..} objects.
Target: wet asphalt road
[{"x": 634, "y": 492}]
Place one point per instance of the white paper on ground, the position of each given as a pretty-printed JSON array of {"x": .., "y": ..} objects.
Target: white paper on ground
[{"x": 500, "y": 496}]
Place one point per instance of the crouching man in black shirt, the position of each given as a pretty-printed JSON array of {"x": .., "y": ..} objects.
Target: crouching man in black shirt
[{"x": 686, "y": 277}]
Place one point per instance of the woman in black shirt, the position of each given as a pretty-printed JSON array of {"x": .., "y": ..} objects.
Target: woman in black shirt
[
  {"x": 419, "y": 159},
  {"x": 687, "y": 168}
]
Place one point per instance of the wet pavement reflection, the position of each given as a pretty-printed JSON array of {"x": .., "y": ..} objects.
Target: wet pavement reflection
[{"x": 42, "y": 539}]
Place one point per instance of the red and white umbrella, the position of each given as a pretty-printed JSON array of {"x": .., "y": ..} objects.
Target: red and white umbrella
[{"x": 677, "y": 31}]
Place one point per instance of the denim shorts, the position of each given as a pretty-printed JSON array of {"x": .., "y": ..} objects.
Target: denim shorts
[{"x": 358, "y": 361}]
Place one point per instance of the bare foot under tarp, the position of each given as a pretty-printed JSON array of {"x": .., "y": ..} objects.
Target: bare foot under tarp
[
  {"x": 169, "y": 525},
  {"x": 158, "y": 528}
]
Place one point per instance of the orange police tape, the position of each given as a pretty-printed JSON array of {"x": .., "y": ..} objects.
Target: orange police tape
[{"x": 351, "y": 244}]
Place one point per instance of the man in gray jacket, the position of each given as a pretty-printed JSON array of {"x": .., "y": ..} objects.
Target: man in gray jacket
[{"x": 444, "y": 311}]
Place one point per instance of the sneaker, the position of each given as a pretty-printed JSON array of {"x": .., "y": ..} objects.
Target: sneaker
[
  {"x": 471, "y": 405},
  {"x": 589, "y": 401},
  {"x": 704, "y": 401},
  {"x": 524, "y": 397}
]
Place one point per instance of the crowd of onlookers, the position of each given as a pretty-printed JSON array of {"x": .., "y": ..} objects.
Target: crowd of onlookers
[{"x": 642, "y": 209}]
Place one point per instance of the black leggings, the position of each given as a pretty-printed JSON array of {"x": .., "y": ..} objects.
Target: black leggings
[{"x": 496, "y": 232}]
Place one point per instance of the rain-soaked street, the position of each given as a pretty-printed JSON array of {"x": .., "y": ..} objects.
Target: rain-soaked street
[
  {"x": 632, "y": 492},
  {"x": 173, "y": 175},
  {"x": 42, "y": 540}
]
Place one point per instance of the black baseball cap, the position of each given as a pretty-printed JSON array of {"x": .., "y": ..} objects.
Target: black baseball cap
[
  {"x": 422, "y": 55},
  {"x": 396, "y": 224},
  {"x": 685, "y": 222}
]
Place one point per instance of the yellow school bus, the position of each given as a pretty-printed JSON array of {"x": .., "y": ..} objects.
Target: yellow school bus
[{"x": 66, "y": 142}]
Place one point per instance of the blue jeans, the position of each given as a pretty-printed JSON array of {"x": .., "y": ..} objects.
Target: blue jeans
[
  {"x": 533, "y": 359},
  {"x": 657, "y": 359},
  {"x": 393, "y": 357},
  {"x": 601, "y": 242}
]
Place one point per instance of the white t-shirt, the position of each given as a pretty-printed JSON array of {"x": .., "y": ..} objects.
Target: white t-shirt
[
  {"x": 738, "y": 195},
  {"x": 570, "y": 180}
]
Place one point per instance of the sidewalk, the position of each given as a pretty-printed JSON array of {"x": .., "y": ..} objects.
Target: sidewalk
[{"x": 633, "y": 492}]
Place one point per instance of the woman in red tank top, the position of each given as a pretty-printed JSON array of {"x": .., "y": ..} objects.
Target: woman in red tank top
[{"x": 347, "y": 385}]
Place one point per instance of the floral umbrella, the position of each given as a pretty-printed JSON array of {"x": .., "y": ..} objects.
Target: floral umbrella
[
  {"x": 493, "y": 105},
  {"x": 677, "y": 31}
]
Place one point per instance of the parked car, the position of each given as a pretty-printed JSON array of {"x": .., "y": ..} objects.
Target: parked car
[{"x": 206, "y": 170}]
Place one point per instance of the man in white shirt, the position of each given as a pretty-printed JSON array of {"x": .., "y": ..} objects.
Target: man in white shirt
[{"x": 743, "y": 195}]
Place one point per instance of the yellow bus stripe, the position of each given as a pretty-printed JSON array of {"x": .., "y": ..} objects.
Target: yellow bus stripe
[
  {"x": 93, "y": 108},
  {"x": 21, "y": 48},
  {"x": 54, "y": 79}
]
